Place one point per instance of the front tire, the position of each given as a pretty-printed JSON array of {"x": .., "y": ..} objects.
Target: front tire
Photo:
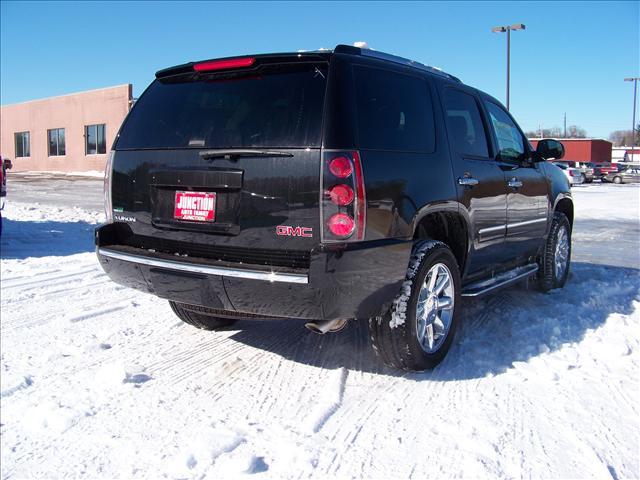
[
  {"x": 417, "y": 332},
  {"x": 192, "y": 315},
  {"x": 556, "y": 259}
]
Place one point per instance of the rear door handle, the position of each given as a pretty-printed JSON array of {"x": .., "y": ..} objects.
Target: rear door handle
[
  {"x": 468, "y": 181},
  {"x": 515, "y": 183}
]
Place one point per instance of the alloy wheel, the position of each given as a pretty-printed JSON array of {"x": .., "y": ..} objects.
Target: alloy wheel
[
  {"x": 561, "y": 257},
  {"x": 434, "y": 310}
]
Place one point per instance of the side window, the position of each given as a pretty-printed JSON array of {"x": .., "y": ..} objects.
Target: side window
[
  {"x": 464, "y": 124},
  {"x": 395, "y": 111},
  {"x": 510, "y": 141}
]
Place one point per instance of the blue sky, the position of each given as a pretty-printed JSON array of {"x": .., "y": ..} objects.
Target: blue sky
[{"x": 572, "y": 58}]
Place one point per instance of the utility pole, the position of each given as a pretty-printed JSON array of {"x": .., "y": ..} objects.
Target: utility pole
[
  {"x": 633, "y": 127},
  {"x": 508, "y": 28},
  {"x": 565, "y": 124}
]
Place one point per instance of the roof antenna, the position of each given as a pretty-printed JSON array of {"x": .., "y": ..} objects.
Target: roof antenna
[{"x": 361, "y": 45}]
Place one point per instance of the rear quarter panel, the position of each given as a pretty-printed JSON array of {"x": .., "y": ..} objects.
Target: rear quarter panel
[{"x": 401, "y": 187}]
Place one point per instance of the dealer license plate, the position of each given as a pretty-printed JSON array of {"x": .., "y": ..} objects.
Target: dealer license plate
[{"x": 195, "y": 206}]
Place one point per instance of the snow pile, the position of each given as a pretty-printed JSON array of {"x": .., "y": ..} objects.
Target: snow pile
[
  {"x": 38, "y": 212},
  {"x": 100, "y": 381}
]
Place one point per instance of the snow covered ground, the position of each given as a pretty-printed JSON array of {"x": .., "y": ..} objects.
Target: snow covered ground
[{"x": 99, "y": 381}]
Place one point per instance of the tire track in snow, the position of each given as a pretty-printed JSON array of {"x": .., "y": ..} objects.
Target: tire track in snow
[
  {"x": 84, "y": 286},
  {"x": 97, "y": 313},
  {"x": 280, "y": 378},
  {"x": 25, "y": 318},
  {"x": 44, "y": 280},
  {"x": 329, "y": 402},
  {"x": 258, "y": 369},
  {"x": 400, "y": 392},
  {"x": 191, "y": 362}
]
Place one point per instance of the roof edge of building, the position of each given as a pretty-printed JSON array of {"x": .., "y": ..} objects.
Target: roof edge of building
[
  {"x": 128, "y": 85},
  {"x": 571, "y": 139}
]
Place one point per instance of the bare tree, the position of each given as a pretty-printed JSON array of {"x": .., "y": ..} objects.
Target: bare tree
[
  {"x": 573, "y": 131},
  {"x": 620, "y": 138}
]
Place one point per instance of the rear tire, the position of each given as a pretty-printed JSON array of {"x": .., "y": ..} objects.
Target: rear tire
[
  {"x": 187, "y": 314},
  {"x": 417, "y": 332},
  {"x": 617, "y": 180},
  {"x": 556, "y": 259}
]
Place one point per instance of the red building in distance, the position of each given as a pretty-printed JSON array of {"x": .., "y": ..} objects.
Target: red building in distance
[{"x": 583, "y": 149}]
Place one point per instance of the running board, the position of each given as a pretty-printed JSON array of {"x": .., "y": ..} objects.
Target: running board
[{"x": 481, "y": 287}]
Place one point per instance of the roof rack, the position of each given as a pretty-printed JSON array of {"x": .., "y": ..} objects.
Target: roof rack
[{"x": 365, "y": 52}]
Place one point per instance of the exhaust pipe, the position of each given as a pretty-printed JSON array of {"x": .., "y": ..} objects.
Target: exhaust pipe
[{"x": 326, "y": 326}]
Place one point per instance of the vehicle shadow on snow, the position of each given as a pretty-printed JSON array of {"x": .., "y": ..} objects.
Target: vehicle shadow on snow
[
  {"x": 514, "y": 325},
  {"x": 20, "y": 240}
]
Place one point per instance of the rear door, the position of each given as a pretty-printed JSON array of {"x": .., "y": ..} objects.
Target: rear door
[
  {"x": 527, "y": 200},
  {"x": 481, "y": 185},
  {"x": 230, "y": 158}
]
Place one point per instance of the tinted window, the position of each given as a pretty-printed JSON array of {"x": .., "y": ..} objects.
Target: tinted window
[
  {"x": 394, "y": 111},
  {"x": 464, "y": 124},
  {"x": 510, "y": 141},
  {"x": 277, "y": 107}
]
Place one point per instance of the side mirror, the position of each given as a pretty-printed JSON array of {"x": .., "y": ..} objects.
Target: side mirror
[{"x": 549, "y": 149}]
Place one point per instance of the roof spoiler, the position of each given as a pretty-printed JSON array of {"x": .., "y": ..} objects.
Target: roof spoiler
[
  {"x": 366, "y": 52},
  {"x": 247, "y": 63}
]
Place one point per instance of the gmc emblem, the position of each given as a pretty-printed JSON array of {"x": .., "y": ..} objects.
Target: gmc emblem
[{"x": 287, "y": 231}]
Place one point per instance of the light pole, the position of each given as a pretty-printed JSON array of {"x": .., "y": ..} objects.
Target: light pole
[
  {"x": 508, "y": 28},
  {"x": 633, "y": 127}
]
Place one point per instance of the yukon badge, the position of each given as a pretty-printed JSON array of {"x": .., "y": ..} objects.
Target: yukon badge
[
  {"x": 124, "y": 218},
  {"x": 287, "y": 231}
]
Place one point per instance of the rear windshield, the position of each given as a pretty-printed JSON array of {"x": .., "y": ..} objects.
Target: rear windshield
[{"x": 278, "y": 107}]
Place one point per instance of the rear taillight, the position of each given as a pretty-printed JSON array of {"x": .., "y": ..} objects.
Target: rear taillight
[
  {"x": 573, "y": 173},
  {"x": 224, "y": 64},
  {"x": 341, "y": 225},
  {"x": 108, "y": 175},
  {"x": 340, "y": 167},
  {"x": 341, "y": 194},
  {"x": 343, "y": 199}
]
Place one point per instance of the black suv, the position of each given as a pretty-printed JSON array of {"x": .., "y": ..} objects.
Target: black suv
[{"x": 329, "y": 186}]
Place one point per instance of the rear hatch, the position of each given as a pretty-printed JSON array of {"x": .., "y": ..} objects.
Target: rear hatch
[{"x": 221, "y": 160}]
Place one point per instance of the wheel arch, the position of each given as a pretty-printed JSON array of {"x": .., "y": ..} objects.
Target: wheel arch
[
  {"x": 444, "y": 222},
  {"x": 564, "y": 204}
]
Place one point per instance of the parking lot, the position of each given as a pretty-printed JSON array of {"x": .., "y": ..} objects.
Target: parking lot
[{"x": 100, "y": 380}]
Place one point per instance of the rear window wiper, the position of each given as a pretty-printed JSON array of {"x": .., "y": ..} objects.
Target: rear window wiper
[{"x": 237, "y": 153}]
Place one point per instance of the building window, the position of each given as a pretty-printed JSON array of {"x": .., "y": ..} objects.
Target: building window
[
  {"x": 56, "y": 142},
  {"x": 94, "y": 139},
  {"x": 23, "y": 146}
]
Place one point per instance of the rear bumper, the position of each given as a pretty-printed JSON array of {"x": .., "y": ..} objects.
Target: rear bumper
[{"x": 343, "y": 280}]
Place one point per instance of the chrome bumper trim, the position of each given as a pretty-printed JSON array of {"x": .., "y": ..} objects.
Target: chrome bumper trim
[{"x": 206, "y": 269}]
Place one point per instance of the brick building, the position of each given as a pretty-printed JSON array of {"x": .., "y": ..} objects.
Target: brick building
[{"x": 69, "y": 133}]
